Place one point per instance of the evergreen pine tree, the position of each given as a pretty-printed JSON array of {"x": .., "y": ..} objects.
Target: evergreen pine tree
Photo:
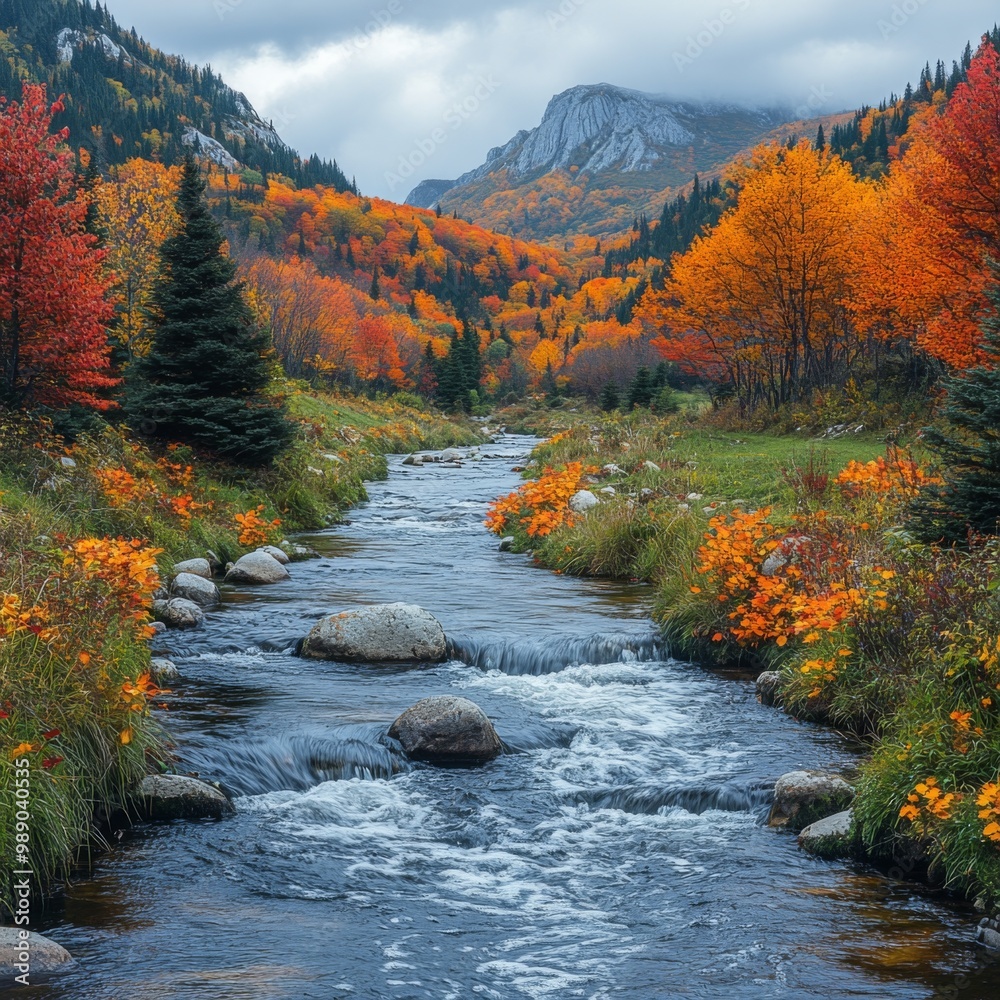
[
  {"x": 640, "y": 391},
  {"x": 969, "y": 446},
  {"x": 204, "y": 381},
  {"x": 611, "y": 398},
  {"x": 820, "y": 140},
  {"x": 375, "y": 292}
]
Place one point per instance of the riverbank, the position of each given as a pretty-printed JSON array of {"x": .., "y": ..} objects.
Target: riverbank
[
  {"x": 621, "y": 844},
  {"x": 790, "y": 555},
  {"x": 85, "y": 533}
]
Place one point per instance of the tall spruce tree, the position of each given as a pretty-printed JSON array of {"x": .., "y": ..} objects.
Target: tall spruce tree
[
  {"x": 968, "y": 447},
  {"x": 640, "y": 390},
  {"x": 611, "y": 398},
  {"x": 203, "y": 382}
]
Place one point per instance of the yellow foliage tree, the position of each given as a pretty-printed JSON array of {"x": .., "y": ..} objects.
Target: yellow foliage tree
[{"x": 137, "y": 210}]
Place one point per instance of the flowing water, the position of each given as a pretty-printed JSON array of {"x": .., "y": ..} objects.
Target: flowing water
[{"x": 618, "y": 850}]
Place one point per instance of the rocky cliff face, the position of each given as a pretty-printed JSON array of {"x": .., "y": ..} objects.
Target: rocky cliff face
[{"x": 604, "y": 129}]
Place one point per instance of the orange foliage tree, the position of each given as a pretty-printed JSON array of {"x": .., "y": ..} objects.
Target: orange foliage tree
[{"x": 765, "y": 291}]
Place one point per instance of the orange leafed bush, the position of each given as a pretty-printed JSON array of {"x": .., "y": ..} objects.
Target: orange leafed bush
[
  {"x": 899, "y": 477},
  {"x": 783, "y": 604},
  {"x": 254, "y": 530},
  {"x": 127, "y": 568},
  {"x": 539, "y": 507},
  {"x": 121, "y": 487}
]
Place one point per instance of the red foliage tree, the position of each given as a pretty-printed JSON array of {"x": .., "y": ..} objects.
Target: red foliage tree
[{"x": 53, "y": 311}]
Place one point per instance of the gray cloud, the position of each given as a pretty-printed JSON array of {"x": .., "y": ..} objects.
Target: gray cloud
[{"x": 369, "y": 81}]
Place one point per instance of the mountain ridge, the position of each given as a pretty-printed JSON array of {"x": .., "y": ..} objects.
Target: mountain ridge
[{"x": 612, "y": 136}]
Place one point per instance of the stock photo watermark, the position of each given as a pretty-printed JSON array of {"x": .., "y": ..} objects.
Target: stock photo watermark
[
  {"x": 819, "y": 98},
  {"x": 714, "y": 28},
  {"x": 454, "y": 118},
  {"x": 561, "y": 14},
  {"x": 23, "y": 874},
  {"x": 900, "y": 16}
]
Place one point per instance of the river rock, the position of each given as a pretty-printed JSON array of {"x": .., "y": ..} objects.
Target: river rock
[
  {"x": 257, "y": 567},
  {"x": 832, "y": 837},
  {"x": 178, "y": 612},
  {"x": 383, "y": 633},
  {"x": 42, "y": 955},
  {"x": 67, "y": 463},
  {"x": 414, "y": 460},
  {"x": 195, "y": 567},
  {"x": 612, "y": 470},
  {"x": 447, "y": 730},
  {"x": 451, "y": 455},
  {"x": 803, "y": 797},
  {"x": 164, "y": 669},
  {"x": 507, "y": 544},
  {"x": 164, "y": 797},
  {"x": 582, "y": 502},
  {"x": 988, "y": 934},
  {"x": 275, "y": 553},
  {"x": 202, "y": 592},
  {"x": 768, "y": 687}
]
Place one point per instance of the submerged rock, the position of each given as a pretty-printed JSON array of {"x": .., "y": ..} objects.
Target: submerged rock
[
  {"x": 803, "y": 797},
  {"x": 256, "y": 568},
  {"x": 582, "y": 502},
  {"x": 447, "y": 730},
  {"x": 831, "y": 837},
  {"x": 988, "y": 934},
  {"x": 298, "y": 553},
  {"x": 40, "y": 955},
  {"x": 383, "y": 633},
  {"x": 178, "y": 612},
  {"x": 165, "y": 797},
  {"x": 768, "y": 685},
  {"x": 195, "y": 567},
  {"x": 202, "y": 592}
]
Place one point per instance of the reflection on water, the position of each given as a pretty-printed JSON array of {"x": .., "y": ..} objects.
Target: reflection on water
[{"x": 617, "y": 850}]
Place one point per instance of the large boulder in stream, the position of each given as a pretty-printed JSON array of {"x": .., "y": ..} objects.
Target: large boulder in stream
[
  {"x": 197, "y": 589},
  {"x": 804, "y": 797},
  {"x": 257, "y": 568},
  {"x": 383, "y": 633},
  {"x": 25, "y": 953},
  {"x": 178, "y": 612},
  {"x": 196, "y": 567},
  {"x": 447, "y": 730},
  {"x": 165, "y": 797}
]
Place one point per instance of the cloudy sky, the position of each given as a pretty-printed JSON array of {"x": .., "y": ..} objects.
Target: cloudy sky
[{"x": 370, "y": 81}]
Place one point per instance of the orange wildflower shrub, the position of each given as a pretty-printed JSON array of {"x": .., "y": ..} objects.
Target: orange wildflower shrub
[
  {"x": 989, "y": 809},
  {"x": 538, "y": 507},
  {"x": 928, "y": 804},
  {"x": 255, "y": 530}
]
